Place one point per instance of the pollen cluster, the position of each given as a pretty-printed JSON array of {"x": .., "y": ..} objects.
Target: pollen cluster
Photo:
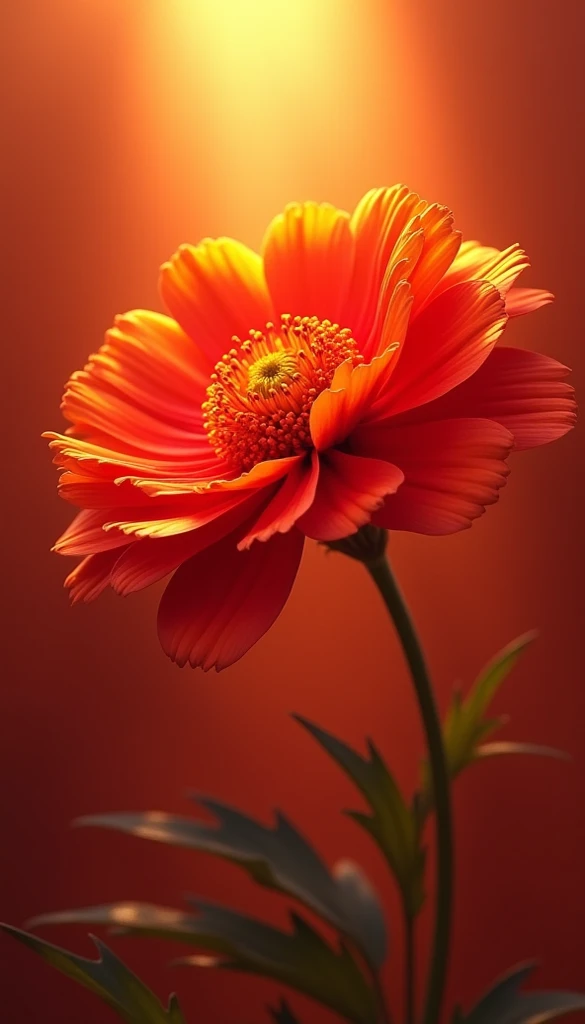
[{"x": 262, "y": 390}]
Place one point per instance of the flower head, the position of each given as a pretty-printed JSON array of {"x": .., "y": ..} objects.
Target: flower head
[{"x": 347, "y": 374}]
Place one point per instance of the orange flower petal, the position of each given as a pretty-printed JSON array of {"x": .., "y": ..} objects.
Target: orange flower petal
[
  {"x": 199, "y": 510},
  {"x": 91, "y": 577},
  {"x": 219, "y": 603},
  {"x": 143, "y": 390},
  {"x": 138, "y": 398},
  {"x": 150, "y": 560},
  {"x": 522, "y": 390},
  {"x": 85, "y": 535},
  {"x": 350, "y": 488},
  {"x": 448, "y": 342},
  {"x": 261, "y": 475},
  {"x": 526, "y": 300},
  {"x": 89, "y": 492},
  {"x": 94, "y": 462},
  {"x": 295, "y": 495},
  {"x": 338, "y": 409},
  {"x": 441, "y": 244},
  {"x": 477, "y": 262},
  {"x": 452, "y": 470},
  {"x": 377, "y": 223},
  {"x": 394, "y": 304},
  {"x": 392, "y": 225},
  {"x": 214, "y": 290},
  {"x": 308, "y": 256}
]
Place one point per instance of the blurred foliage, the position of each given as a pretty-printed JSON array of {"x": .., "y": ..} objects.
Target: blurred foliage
[
  {"x": 506, "y": 1004},
  {"x": 340, "y": 972},
  {"x": 300, "y": 958},
  {"x": 467, "y": 724},
  {"x": 108, "y": 978},
  {"x": 391, "y": 823}
]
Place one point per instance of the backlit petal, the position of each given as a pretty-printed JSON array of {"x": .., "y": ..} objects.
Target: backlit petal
[
  {"x": 395, "y": 227},
  {"x": 526, "y": 300},
  {"x": 87, "y": 492},
  {"x": 377, "y": 224},
  {"x": 522, "y": 390},
  {"x": 214, "y": 290},
  {"x": 142, "y": 390},
  {"x": 441, "y": 244},
  {"x": 452, "y": 470},
  {"x": 91, "y": 577},
  {"x": 295, "y": 495},
  {"x": 219, "y": 603},
  {"x": 86, "y": 535},
  {"x": 150, "y": 560},
  {"x": 102, "y": 463},
  {"x": 477, "y": 262},
  {"x": 350, "y": 489},
  {"x": 308, "y": 256},
  {"x": 339, "y": 408},
  {"x": 261, "y": 475},
  {"x": 448, "y": 341},
  {"x": 190, "y": 514}
]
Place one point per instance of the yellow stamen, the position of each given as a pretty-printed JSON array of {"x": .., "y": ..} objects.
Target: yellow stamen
[
  {"x": 270, "y": 372},
  {"x": 260, "y": 397}
]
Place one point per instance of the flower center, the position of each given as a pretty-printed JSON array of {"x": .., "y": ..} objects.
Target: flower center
[
  {"x": 260, "y": 396},
  {"x": 271, "y": 372}
]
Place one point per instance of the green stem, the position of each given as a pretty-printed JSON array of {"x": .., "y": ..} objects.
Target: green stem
[
  {"x": 409, "y": 969},
  {"x": 385, "y": 1015},
  {"x": 384, "y": 579}
]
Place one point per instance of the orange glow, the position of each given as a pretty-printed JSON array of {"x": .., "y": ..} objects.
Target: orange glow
[
  {"x": 271, "y": 101},
  {"x": 123, "y": 140}
]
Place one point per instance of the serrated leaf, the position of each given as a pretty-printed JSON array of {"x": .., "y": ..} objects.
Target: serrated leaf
[
  {"x": 498, "y": 998},
  {"x": 506, "y": 1004},
  {"x": 300, "y": 959},
  {"x": 175, "y": 1014},
  {"x": 466, "y": 724},
  {"x": 107, "y": 977},
  {"x": 282, "y": 1014},
  {"x": 392, "y": 824},
  {"x": 277, "y": 858}
]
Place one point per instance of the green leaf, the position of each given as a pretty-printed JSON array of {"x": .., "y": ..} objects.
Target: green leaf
[
  {"x": 301, "y": 958},
  {"x": 424, "y": 800},
  {"x": 504, "y": 748},
  {"x": 108, "y": 978},
  {"x": 282, "y": 1014},
  {"x": 391, "y": 824},
  {"x": 363, "y": 909},
  {"x": 506, "y": 1004},
  {"x": 175, "y": 1014},
  {"x": 466, "y": 724},
  {"x": 278, "y": 858}
]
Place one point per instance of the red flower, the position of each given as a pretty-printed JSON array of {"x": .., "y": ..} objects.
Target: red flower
[{"x": 347, "y": 374}]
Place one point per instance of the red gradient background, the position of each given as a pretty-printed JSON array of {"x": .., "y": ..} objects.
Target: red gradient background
[{"x": 133, "y": 126}]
